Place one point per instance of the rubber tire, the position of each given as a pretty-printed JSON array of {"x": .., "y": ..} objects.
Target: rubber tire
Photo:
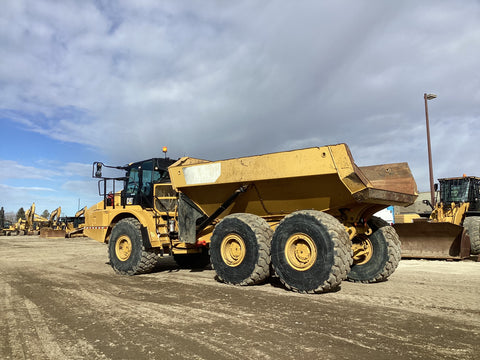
[
  {"x": 141, "y": 261},
  {"x": 257, "y": 236},
  {"x": 472, "y": 225},
  {"x": 334, "y": 253},
  {"x": 193, "y": 261},
  {"x": 386, "y": 254},
  {"x": 376, "y": 223}
]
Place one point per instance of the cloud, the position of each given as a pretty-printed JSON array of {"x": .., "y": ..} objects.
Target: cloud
[
  {"x": 14, "y": 170},
  {"x": 77, "y": 169},
  {"x": 219, "y": 80},
  {"x": 17, "y": 189}
]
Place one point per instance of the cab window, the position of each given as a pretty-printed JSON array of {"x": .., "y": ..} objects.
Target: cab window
[{"x": 133, "y": 182}]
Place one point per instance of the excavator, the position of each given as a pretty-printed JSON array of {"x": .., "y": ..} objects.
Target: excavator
[
  {"x": 23, "y": 226},
  {"x": 51, "y": 227},
  {"x": 452, "y": 230}
]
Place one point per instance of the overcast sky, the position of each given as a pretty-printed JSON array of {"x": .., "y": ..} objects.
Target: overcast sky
[{"x": 114, "y": 81}]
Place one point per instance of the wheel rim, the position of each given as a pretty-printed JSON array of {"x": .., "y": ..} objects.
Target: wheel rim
[
  {"x": 123, "y": 248},
  {"x": 362, "y": 251},
  {"x": 233, "y": 250},
  {"x": 301, "y": 252}
]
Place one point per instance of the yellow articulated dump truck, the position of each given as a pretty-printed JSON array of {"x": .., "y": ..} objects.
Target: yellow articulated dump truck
[{"x": 305, "y": 216}]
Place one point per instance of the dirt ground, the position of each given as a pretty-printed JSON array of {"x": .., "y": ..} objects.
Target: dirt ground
[{"x": 61, "y": 300}]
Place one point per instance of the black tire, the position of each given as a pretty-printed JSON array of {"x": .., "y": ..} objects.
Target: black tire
[
  {"x": 240, "y": 249},
  {"x": 126, "y": 251},
  {"x": 311, "y": 252},
  {"x": 383, "y": 254},
  {"x": 376, "y": 223},
  {"x": 193, "y": 261},
  {"x": 472, "y": 225}
]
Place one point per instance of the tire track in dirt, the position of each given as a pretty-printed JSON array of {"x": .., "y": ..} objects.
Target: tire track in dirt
[
  {"x": 92, "y": 313},
  {"x": 36, "y": 340},
  {"x": 47, "y": 341},
  {"x": 12, "y": 345}
]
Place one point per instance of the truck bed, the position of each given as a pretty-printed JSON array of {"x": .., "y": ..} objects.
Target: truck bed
[{"x": 322, "y": 178}]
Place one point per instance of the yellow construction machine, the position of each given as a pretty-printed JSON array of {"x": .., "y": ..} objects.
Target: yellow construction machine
[
  {"x": 452, "y": 230},
  {"x": 74, "y": 225},
  {"x": 305, "y": 216},
  {"x": 23, "y": 226},
  {"x": 53, "y": 226}
]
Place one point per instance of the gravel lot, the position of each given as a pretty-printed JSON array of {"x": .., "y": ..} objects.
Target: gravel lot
[{"x": 61, "y": 300}]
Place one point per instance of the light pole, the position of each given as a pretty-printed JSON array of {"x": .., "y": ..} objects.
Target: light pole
[{"x": 430, "y": 166}]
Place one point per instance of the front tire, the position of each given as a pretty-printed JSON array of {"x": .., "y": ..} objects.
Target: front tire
[
  {"x": 311, "y": 252},
  {"x": 377, "y": 256},
  {"x": 126, "y": 251},
  {"x": 240, "y": 249}
]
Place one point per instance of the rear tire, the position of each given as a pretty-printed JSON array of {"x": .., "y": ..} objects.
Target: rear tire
[
  {"x": 311, "y": 252},
  {"x": 377, "y": 256},
  {"x": 472, "y": 225},
  {"x": 240, "y": 249},
  {"x": 126, "y": 251}
]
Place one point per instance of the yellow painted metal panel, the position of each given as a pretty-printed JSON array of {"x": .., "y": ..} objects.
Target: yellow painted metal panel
[{"x": 322, "y": 178}]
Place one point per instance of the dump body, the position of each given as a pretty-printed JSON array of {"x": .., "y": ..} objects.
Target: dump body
[{"x": 321, "y": 178}]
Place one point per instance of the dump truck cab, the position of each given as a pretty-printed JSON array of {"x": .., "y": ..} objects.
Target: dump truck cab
[
  {"x": 140, "y": 178},
  {"x": 145, "y": 195}
]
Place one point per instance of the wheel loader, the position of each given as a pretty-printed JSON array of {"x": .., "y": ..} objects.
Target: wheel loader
[
  {"x": 304, "y": 216},
  {"x": 452, "y": 230}
]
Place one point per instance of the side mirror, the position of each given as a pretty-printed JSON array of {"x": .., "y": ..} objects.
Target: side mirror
[
  {"x": 435, "y": 187},
  {"x": 426, "y": 202},
  {"x": 98, "y": 172}
]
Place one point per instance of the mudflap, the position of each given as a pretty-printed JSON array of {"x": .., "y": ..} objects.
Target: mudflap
[
  {"x": 50, "y": 233},
  {"x": 427, "y": 240}
]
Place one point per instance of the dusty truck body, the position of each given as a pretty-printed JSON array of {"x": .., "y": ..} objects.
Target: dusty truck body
[{"x": 306, "y": 214}]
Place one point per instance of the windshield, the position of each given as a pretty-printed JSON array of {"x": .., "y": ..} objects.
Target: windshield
[
  {"x": 454, "y": 190},
  {"x": 133, "y": 181}
]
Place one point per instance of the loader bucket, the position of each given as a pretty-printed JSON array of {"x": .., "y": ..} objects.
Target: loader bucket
[
  {"x": 428, "y": 240},
  {"x": 50, "y": 233}
]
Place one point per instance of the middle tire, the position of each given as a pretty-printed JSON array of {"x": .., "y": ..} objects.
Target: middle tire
[
  {"x": 240, "y": 249},
  {"x": 311, "y": 252}
]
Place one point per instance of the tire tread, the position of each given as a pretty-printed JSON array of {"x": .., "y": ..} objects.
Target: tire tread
[{"x": 148, "y": 258}]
